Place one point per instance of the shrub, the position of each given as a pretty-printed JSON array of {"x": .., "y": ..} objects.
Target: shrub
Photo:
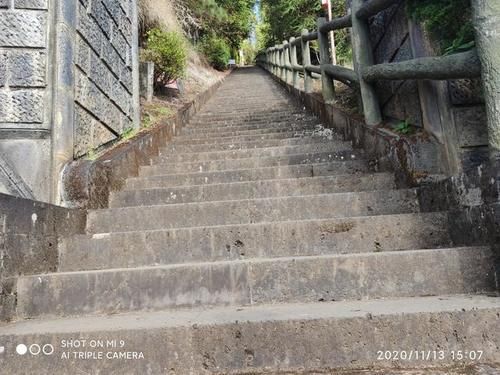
[
  {"x": 168, "y": 51},
  {"x": 448, "y": 21},
  {"x": 217, "y": 51}
]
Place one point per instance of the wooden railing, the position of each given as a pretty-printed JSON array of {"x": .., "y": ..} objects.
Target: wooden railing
[{"x": 281, "y": 60}]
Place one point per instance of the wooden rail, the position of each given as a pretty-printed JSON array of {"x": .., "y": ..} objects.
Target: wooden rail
[{"x": 281, "y": 60}]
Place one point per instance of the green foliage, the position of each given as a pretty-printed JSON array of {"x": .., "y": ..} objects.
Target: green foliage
[
  {"x": 448, "y": 21},
  {"x": 282, "y": 19},
  {"x": 249, "y": 52},
  {"x": 216, "y": 50},
  {"x": 231, "y": 20},
  {"x": 168, "y": 52},
  {"x": 128, "y": 133},
  {"x": 404, "y": 127}
]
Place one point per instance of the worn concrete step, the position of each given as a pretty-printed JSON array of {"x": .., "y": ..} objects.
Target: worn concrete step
[
  {"x": 258, "y": 281},
  {"x": 231, "y": 131},
  {"x": 208, "y": 139},
  {"x": 185, "y": 215},
  {"x": 264, "y": 240},
  {"x": 236, "y": 143},
  {"x": 265, "y": 152},
  {"x": 292, "y": 338},
  {"x": 240, "y": 175},
  {"x": 249, "y": 163},
  {"x": 237, "y": 116},
  {"x": 255, "y": 124},
  {"x": 253, "y": 189}
]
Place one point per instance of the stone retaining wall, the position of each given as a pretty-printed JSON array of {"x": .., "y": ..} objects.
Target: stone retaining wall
[{"x": 68, "y": 85}]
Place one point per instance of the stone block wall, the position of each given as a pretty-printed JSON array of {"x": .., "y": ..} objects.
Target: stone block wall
[
  {"x": 68, "y": 85},
  {"x": 25, "y": 140},
  {"x": 103, "y": 78}
]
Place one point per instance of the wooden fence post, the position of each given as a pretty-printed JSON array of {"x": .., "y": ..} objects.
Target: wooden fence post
[
  {"x": 293, "y": 61},
  {"x": 306, "y": 60},
  {"x": 363, "y": 56},
  {"x": 328, "y": 88}
]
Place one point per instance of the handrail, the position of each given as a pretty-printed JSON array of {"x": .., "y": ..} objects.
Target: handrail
[
  {"x": 460, "y": 65},
  {"x": 337, "y": 24},
  {"x": 281, "y": 59},
  {"x": 373, "y": 7}
]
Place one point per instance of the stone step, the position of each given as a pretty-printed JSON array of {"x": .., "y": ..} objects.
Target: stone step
[
  {"x": 256, "y": 124},
  {"x": 236, "y": 115},
  {"x": 249, "y": 163},
  {"x": 242, "y": 144},
  {"x": 320, "y": 206},
  {"x": 264, "y": 240},
  {"x": 265, "y": 152},
  {"x": 264, "y": 339},
  {"x": 253, "y": 189},
  {"x": 200, "y": 139},
  {"x": 231, "y": 131},
  {"x": 258, "y": 281},
  {"x": 240, "y": 175}
]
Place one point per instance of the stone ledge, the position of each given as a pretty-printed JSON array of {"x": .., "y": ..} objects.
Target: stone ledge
[
  {"x": 88, "y": 183},
  {"x": 29, "y": 242}
]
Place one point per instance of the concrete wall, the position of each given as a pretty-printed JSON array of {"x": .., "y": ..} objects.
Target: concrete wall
[
  {"x": 29, "y": 241},
  {"x": 68, "y": 85}
]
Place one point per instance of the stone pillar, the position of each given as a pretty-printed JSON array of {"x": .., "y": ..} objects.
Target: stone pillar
[
  {"x": 293, "y": 62},
  {"x": 286, "y": 60},
  {"x": 306, "y": 60},
  {"x": 134, "y": 51},
  {"x": 146, "y": 79},
  {"x": 363, "y": 56},
  {"x": 487, "y": 25},
  {"x": 328, "y": 88},
  {"x": 281, "y": 61}
]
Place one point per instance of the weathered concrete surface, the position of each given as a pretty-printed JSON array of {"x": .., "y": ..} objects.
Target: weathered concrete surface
[
  {"x": 283, "y": 339},
  {"x": 264, "y": 152},
  {"x": 29, "y": 242},
  {"x": 257, "y": 281},
  {"x": 252, "y": 162},
  {"x": 231, "y": 242},
  {"x": 240, "y": 175},
  {"x": 252, "y": 211},
  {"x": 253, "y": 189}
]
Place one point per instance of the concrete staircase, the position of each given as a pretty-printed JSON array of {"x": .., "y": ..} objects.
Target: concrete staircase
[{"x": 258, "y": 242}]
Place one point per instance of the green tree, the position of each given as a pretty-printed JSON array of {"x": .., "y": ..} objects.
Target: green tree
[{"x": 281, "y": 19}]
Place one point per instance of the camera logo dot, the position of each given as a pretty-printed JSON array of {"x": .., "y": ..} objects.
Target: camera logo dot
[
  {"x": 35, "y": 349},
  {"x": 21, "y": 349},
  {"x": 48, "y": 349}
]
